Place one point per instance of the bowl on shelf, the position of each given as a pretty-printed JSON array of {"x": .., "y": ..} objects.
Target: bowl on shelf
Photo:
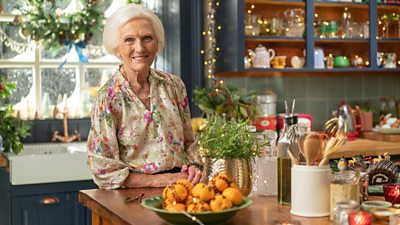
[{"x": 209, "y": 217}]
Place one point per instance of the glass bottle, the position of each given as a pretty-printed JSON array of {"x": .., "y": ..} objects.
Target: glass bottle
[
  {"x": 392, "y": 106},
  {"x": 284, "y": 162}
]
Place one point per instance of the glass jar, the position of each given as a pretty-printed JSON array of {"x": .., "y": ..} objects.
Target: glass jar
[
  {"x": 344, "y": 187},
  {"x": 342, "y": 210}
]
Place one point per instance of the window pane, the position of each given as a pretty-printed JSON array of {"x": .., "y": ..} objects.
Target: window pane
[
  {"x": 57, "y": 82},
  {"x": 22, "y": 78},
  {"x": 13, "y": 42}
]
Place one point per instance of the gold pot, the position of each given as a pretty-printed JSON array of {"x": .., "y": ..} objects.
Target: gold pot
[{"x": 239, "y": 170}]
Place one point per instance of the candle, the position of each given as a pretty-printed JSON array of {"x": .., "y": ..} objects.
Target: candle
[
  {"x": 392, "y": 193},
  {"x": 360, "y": 218}
]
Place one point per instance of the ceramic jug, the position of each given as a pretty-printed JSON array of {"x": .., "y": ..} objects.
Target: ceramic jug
[
  {"x": 390, "y": 60},
  {"x": 262, "y": 56}
]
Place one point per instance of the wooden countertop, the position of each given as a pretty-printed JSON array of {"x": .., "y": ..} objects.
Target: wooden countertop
[
  {"x": 109, "y": 207},
  {"x": 3, "y": 161},
  {"x": 367, "y": 148}
]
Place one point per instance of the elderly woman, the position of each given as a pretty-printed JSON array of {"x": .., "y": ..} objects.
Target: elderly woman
[{"x": 141, "y": 131}]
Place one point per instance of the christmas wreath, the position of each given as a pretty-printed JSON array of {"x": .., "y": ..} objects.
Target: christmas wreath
[{"x": 48, "y": 25}]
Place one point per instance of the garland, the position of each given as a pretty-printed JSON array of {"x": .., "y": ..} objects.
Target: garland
[{"x": 53, "y": 29}]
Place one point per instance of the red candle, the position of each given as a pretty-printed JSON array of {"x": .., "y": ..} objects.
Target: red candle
[
  {"x": 360, "y": 218},
  {"x": 392, "y": 193}
]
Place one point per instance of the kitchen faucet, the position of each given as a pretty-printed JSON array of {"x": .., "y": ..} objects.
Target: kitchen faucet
[{"x": 65, "y": 138}]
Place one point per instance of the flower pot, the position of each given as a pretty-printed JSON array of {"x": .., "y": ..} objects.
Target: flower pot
[{"x": 240, "y": 170}]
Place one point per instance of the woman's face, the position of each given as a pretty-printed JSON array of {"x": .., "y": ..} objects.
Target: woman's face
[{"x": 137, "y": 45}]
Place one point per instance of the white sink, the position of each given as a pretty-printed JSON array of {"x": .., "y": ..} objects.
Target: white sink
[{"x": 48, "y": 163}]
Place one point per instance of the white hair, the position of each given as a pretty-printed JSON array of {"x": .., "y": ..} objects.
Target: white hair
[{"x": 121, "y": 17}]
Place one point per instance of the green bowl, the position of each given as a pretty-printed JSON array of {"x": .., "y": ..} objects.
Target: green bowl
[{"x": 154, "y": 204}]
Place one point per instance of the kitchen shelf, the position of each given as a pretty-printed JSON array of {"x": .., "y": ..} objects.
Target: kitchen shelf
[
  {"x": 290, "y": 72},
  {"x": 274, "y": 39},
  {"x": 350, "y": 5},
  {"x": 234, "y": 48},
  {"x": 342, "y": 40},
  {"x": 277, "y": 2},
  {"x": 389, "y": 40}
]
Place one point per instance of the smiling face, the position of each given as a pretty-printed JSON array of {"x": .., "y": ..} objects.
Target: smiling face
[{"x": 137, "y": 46}]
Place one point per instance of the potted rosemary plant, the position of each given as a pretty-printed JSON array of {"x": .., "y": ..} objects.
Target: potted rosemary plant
[{"x": 229, "y": 146}]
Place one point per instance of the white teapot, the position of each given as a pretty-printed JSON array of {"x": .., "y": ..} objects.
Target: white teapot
[{"x": 262, "y": 57}]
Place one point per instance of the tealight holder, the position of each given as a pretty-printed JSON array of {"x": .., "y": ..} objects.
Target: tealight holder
[
  {"x": 392, "y": 193},
  {"x": 360, "y": 218}
]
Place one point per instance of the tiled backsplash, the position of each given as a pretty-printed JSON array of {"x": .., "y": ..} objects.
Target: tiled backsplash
[{"x": 319, "y": 95}]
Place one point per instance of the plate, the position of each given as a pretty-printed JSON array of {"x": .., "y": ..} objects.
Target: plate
[
  {"x": 387, "y": 130},
  {"x": 178, "y": 218}
]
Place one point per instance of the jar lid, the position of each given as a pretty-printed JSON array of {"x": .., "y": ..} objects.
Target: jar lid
[
  {"x": 348, "y": 204},
  {"x": 345, "y": 177}
]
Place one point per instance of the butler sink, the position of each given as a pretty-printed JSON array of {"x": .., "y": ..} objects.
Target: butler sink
[{"x": 48, "y": 163}]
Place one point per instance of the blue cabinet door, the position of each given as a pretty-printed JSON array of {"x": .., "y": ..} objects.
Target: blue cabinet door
[{"x": 52, "y": 209}]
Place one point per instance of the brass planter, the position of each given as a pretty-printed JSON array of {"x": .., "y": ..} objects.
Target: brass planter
[{"x": 239, "y": 170}]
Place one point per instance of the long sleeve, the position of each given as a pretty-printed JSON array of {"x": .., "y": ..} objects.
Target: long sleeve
[
  {"x": 191, "y": 146},
  {"x": 109, "y": 172}
]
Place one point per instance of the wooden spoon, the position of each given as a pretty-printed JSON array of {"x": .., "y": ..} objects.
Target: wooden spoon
[{"x": 312, "y": 148}]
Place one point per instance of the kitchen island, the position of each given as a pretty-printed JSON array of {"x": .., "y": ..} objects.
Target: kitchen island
[{"x": 110, "y": 208}]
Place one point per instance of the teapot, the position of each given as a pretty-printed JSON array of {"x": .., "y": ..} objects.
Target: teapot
[{"x": 262, "y": 56}]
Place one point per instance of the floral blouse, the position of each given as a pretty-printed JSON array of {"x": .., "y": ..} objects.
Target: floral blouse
[{"x": 125, "y": 136}]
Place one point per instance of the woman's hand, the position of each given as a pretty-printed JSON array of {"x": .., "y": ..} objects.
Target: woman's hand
[{"x": 194, "y": 173}]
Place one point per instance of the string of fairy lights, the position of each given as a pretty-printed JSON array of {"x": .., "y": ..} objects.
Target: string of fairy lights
[{"x": 210, "y": 42}]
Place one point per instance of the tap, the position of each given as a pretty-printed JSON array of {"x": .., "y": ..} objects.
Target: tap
[{"x": 66, "y": 138}]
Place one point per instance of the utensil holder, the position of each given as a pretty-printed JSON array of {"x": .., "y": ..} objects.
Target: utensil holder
[{"x": 310, "y": 190}]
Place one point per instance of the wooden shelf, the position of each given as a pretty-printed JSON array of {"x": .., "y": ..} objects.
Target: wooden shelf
[
  {"x": 388, "y": 6},
  {"x": 342, "y": 40},
  {"x": 389, "y": 41},
  {"x": 277, "y": 2},
  {"x": 290, "y": 72},
  {"x": 352, "y": 5},
  {"x": 273, "y": 39}
]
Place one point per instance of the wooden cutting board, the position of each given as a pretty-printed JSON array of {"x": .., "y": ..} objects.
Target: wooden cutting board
[{"x": 380, "y": 137}]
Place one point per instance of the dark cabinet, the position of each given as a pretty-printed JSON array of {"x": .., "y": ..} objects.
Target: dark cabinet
[
  {"x": 42, "y": 204},
  {"x": 239, "y": 36},
  {"x": 60, "y": 208}
]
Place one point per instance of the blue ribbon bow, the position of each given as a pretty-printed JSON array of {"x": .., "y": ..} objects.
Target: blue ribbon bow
[{"x": 78, "y": 48}]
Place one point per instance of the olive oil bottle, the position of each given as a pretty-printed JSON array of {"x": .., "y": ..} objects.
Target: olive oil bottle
[{"x": 284, "y": 162}]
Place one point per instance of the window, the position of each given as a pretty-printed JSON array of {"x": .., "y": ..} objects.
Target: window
[{"x": 41, "y": 84}]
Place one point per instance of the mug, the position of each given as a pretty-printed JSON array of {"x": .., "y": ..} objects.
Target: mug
[
  {"x": 279, "y": 62},
  {"x": 297, "y": 62}
]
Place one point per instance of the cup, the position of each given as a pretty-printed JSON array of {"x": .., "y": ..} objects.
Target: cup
[
  {"x": 297, "y": 62},
  {"x": 310, "y": 190},
  {"x": 279, "y": 62},
  {"x": 392, "y": 193}
]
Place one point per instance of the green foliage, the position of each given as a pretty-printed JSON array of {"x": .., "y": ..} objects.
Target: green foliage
[
  {"x": 46, "y": 23},
  {"x": 12, "y": 129},
  {"x": 226, "y": 101},
  {"x": 222, "y": 139}
]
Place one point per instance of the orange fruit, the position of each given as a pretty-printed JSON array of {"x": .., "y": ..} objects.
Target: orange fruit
[
  {"x": 187, "y": 184},
  {"x": 220, "y": 203},
  {"x": 234, "y": 195},
  {"x": 203, "y": 192},
  {"x": 199, "y": 206},
  {"x": 178, "y": 207}
]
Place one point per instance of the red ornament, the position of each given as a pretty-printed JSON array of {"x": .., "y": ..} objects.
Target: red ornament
[
  {"x": 392, "y": 193},
  {"x": 360, "y": 218}
]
